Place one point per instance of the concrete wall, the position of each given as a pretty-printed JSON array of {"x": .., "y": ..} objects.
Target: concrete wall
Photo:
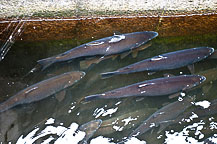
[{"x": 68, "y": 8}]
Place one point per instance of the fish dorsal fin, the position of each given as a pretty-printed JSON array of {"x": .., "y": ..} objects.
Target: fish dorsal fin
[
  {"x": 60, "y": 95},
  {"x": 114, "y": 57},
  {"x": 125, "y": 54},
  {"x": 88, "y": 62},
  {"x": 136, "y": 51}
]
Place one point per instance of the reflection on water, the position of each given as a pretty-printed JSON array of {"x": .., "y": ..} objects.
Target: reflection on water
[
  {"x": 53, "y": 121},
  {"x": 66, "y": 135}
]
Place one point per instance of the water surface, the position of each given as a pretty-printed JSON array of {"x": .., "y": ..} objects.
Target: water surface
[{"x": 53, "y": 121}]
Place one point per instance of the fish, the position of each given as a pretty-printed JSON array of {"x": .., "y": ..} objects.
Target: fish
[
  {"x": 211, "y": 110},
  {"x": 154, "y": 87},
  {"x": 88, "y": 62},
  {"x": 163, "y": 116},
  {"x": 89, "y": 128},
  {"x": 42, "y": 89},
  {"x": 198, "y": 111},
  {"x": 102, "y": 47},
  {"x": 167, "y": 61},
  {"x": 133, "y": 117}
]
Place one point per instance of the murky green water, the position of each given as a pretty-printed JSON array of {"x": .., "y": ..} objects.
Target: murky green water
[{"x": 22, "y": 121}]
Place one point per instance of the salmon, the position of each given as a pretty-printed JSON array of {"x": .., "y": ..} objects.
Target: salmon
[
  {"x": 165, "y": 61},
  {"x": 102, "y": 47},
  {"x": 42, "y": 89},
  {"x": 154, "y": 87}
]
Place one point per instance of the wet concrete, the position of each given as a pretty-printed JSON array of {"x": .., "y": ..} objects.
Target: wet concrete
[{"x": 98, "y": 27}]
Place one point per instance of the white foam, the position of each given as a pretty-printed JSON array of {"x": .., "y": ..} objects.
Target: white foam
[
  {"x": 101, "y": 140},
  {"x": 50, "y": 121},
  {"x": 205, "y": 104},
  {"x": 103, "y": 112},
  {"x": 127, "y": 120}
]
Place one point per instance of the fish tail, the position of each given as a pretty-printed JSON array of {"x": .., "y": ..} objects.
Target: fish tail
[
  {"x": 37, "y": 68},
  {"x": 46, "y": 62},
  {"x": 92, "y": 97},
  {"x": 108, "y": 74}
]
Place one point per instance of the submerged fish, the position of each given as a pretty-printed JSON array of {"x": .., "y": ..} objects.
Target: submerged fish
[
  {"x": 124, "y": 121},
  {"x": 95, "y": 60},
  {"x": 89, "y": 128},
  {"x": 103, "y": 47},
  {"x": 198, "y": 111},
  {"x": 201, "y": 112},
  {"x": 163, "y": 117},
  {"x": 166, "y": 61},
  {"x": 154, "y": 87},
  {"x": 42, "y": 89}
]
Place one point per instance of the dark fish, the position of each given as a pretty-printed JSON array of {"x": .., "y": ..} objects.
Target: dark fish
[
  {"x": 137, "y": 116},
  {"x": 42, "y": 89},
  {"x": 95, "y": 60},
  {"x": 163, "y": 116},
  {"x": 211, "y": 110},
  {"x": 89, "y": 128},
  {"x": 199, "y": 111},
  {"x": 105, "y": 46},
  {"x": 154, "y": 87},
  {"x": 166, "y": 61}
]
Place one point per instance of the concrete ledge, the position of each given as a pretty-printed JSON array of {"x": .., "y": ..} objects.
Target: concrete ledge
[
  {"x": 71, "y": 8},
  {"x": 80, "y": 19},
  {"x": 85, "y": 28}
]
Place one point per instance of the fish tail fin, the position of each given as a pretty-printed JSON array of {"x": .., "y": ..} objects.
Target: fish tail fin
[
  {"x": 46, "y": 62},
  {"x": 92, "y": 97},
  {"x": 108, "y": 74},
  {"x": 37, "y": 68}
]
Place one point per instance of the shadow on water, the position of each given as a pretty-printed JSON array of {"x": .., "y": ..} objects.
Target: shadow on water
[{"x": 51, "y": 120}]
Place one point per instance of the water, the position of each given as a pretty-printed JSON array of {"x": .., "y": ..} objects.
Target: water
[{"x": 54, "y": 121}]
